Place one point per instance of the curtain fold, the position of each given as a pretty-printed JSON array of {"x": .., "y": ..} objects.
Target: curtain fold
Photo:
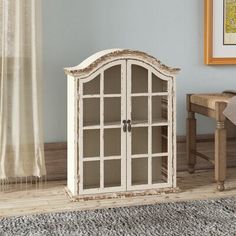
[{"x": 21, "y": 136}]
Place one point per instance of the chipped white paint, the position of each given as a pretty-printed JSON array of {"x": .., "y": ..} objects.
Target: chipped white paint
[
  {"x": 120, "y": 178},
  {"x": 72, "y": 135}
]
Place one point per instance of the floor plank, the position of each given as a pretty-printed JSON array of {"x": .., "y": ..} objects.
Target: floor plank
[{"x": 51, "y": 197}]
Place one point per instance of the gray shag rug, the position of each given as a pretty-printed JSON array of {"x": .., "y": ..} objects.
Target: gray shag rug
[{"x": 210, "y": 217}]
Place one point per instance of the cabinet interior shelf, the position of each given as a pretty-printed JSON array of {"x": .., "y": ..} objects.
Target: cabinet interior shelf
[
  {"x": 119, "y": 95},
  {"x": 145, "y": 155},
  {"x": 104, "y": 96},
  {"x": 108, "y": 125},
  {"x": 163, "y": 154},
  {"x": 155, "y": 122},
  {"x": 149, "y": 94},
  {"x": 105, "y": 158},
  {"x": 136, "y": 123}
]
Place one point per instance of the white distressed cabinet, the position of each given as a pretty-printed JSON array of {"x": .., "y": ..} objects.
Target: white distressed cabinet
[{"x": 121, "y": 126}]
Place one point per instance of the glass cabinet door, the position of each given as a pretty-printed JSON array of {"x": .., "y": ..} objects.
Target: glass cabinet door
[
  {"x": 149, "y": 133},
  {"x": 102, "y": 142}
]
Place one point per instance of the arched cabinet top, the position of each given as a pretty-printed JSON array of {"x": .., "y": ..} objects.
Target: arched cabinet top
[{"x": 102, "y": 58}]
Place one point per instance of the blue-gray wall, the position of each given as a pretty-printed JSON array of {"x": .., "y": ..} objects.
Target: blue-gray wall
[{"x": 172, "y": 31}]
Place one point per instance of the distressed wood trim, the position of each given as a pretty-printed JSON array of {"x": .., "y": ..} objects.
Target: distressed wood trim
[
  {"x": 120, "y": 194},
  {"x": 99, "y": 59}
]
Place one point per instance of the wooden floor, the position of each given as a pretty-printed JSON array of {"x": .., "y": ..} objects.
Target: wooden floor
[{"x": 51, "y": 197}]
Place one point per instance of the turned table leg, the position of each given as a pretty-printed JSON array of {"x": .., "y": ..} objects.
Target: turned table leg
[
  {"x": 190, "y": 137},
  {"x": 220, "y": 146}
]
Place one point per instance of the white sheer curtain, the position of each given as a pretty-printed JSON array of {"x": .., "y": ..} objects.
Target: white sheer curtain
[{"x": 21, "y": 137}]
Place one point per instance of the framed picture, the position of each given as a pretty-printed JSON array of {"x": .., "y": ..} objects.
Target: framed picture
[{"x": 220, "y": 32}]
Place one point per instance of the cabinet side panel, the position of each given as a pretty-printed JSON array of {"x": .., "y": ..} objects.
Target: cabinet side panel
[
  {"x": 174, "y": 132},
  {"x": 71, "y": 135}
]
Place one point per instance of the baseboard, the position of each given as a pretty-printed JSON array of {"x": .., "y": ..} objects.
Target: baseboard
[{"x": 55, "y": 155}]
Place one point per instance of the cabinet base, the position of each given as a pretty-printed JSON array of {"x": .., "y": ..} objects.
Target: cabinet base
[{"x": 119, "y": 194}]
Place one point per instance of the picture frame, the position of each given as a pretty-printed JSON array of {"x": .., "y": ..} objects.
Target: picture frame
[{"x": 216, "y": 50}]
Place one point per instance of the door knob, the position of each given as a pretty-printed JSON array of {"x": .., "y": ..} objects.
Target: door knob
[
  {"x": 124, "y": 125},
  {"x": 129, "y": 125}
]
